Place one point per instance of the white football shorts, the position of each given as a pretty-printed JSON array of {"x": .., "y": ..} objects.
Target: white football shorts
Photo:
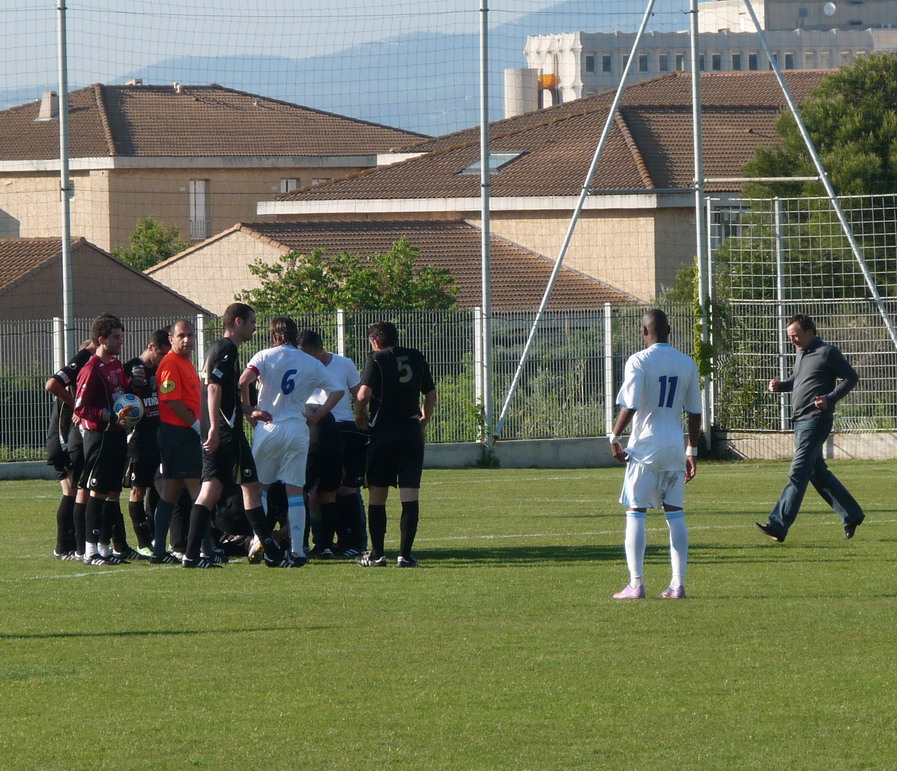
[
  {"x": 281, "y": 451},
  {"x": 644, "y": 488}
]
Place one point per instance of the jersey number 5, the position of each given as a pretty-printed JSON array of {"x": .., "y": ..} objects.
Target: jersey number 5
[
  {"x": 405, "y": 371},
  {"x": 666, "y": 396}
]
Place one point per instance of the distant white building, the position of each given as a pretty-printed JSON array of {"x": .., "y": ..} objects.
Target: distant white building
[{"x": 802, "y": 35}]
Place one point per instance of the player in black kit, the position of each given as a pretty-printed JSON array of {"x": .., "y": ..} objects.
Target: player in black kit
[
  {"x": 389, "y": 403},
  {"x": 227, "y": 456}
]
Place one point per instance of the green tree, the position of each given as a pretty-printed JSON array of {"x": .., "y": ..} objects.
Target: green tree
[
  {"x": 151, "y": 243},
  {"x": 852, "y": 119},
  {"x": 303, "y": 283}
]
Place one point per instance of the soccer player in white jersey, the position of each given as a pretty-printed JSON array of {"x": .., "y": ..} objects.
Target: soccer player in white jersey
[
  {"x": 280, "y": 440},
  {"x": 660, "y": 383}
]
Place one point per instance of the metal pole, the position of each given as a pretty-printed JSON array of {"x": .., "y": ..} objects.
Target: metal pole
[
  {"x": 584, "y": 193},
  {"x": 823, "y": 176},
  {"x": 65, "y": 188},
  {"x": 780, "y": 307},
  {"x": 341, "y": 332},
  {"x": 608, "y": 369},
  {"x": 700, "y": 227},
  {"x": 485, "y": 231}
]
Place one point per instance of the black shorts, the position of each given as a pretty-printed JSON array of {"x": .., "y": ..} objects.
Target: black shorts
[
  {"x": 231, "y": 462},
  {"x": 105, "y": 455},
  {"x": 355, "y": 452},
  {"x": 58, "y": 456},
  {"x": 143, "y": 461},
  {"x": 324, "y": 468},
  {"x": 76, "y": 453},
  {"x": 180, "y": 451},
  {"x": 396, "y": 455}
]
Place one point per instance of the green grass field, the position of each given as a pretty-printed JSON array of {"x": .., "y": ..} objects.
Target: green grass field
[{"x": 504, "y": 650}]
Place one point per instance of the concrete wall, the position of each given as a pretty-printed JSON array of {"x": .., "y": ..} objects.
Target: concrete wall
[{"x": 780, "y": 446}]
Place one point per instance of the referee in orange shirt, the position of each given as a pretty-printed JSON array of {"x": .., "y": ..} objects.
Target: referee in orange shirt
[{"x": 178, "y": 435}]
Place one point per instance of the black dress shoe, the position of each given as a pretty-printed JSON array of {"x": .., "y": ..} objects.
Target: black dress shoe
[
  {"x": 770, "y": 531},
  {"x": 851, "y": 527}
]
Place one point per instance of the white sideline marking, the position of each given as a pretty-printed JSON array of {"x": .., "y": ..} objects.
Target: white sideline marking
[{"x": 54, "y": 578}]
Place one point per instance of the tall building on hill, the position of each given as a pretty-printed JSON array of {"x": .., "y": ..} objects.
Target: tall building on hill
[{"x": 803, "y": 35}]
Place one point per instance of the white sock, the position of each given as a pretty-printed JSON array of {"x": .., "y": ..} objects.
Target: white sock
[
  {"x": 103, "y": 549},
  {"x": 635, "y": 546},
  {"x": 90, "y": 549},
  {"x": 296, "y": 517},
  {"x": 678, "y": 546}
]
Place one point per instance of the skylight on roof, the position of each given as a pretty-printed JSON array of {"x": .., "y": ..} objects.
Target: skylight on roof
[{"x": 497, "y": 161}]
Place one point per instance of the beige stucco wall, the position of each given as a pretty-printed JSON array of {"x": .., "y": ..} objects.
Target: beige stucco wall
[
  {"x": 212, "y": 274},
  {"x": 637, "y": 252},
  {"x": 30, "y": 206},
  {"x": 107, "y": 203}
]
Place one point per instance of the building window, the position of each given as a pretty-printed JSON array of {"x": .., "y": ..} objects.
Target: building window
[
  {"x": 858, "y": 55},
  {"x": 289, "y": 185},
  {"x": 803, "y": 13},
  {"x": 808, "y": 60},
  {"x": 825, "y": 60},
  {"x": 701, "y": 62},
  {"x": 663, "y": 63},
  {"x": 607, "y": 63},
  {"x": 625, "y": 60},
  {"x": 680, "y": 62},
  {"x": 643, "y": 63},
  {"x": 716, "y": 62},
  {"x": 845, "y": 57},
  {"x": 497, "y": 161},
  {"x": 736, "y": 62},
  {"x": 198, "y": 193},
  {"x": 320, "y": 180},
  {"x": 789, "y": 61},
  {"x": 753, "y": 62},
  {"x": 590, "y": 63}
]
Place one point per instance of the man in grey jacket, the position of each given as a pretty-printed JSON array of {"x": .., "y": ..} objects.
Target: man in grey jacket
[{"x": 815, "y": 390}]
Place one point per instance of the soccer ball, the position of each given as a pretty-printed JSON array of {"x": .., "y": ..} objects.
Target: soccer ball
[{"x": 129, "y": 408}]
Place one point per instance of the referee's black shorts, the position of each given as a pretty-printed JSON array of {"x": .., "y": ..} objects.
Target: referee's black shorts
[
  {"x": 180, "y": 450},
  {"x": 396, "y": 455},
  {"x": 231, "y": 462}
]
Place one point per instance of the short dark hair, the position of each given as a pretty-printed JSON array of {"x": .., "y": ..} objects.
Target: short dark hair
[
  {"x": 804, "y": 321},
  {"x": 235, "y": 311},
  {"x": 656, "y": 320},
  {"x": 159, "y": 339},
  {"x": 308, "y": 338},
  {"x": 104, "y": 325},
  {"x": 284, "y": 331},
  {"x": 384, "y": 333}
]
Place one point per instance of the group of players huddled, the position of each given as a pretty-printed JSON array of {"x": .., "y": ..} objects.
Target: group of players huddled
[{"x": 199, "y": 494}]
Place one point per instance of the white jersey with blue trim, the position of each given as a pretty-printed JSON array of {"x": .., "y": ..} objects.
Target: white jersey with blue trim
[
  {"x": 288, "y": 377},
  {"x": 660, "y": 383}
]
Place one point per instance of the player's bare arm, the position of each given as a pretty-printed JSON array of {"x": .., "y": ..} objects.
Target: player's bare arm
[
  {"x": 324, "y": 410},
  {"x": 253, "y": 414},
  {"x": 426, "y": 411},
  {"x": 362, "y": 399},
  {"x": 623, "y": 420},
  {"x": 694, "y": 437},
  {"x": 213, "y": 393}
]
